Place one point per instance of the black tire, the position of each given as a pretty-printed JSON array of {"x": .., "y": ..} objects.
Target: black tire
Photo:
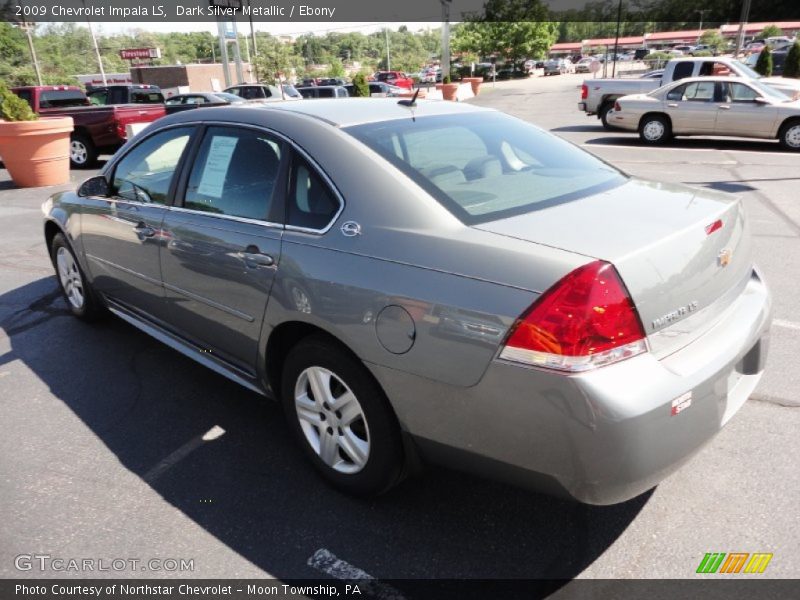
[
  {"x": 89, "y": 309},
  {"x": 383, "y": 466},
  {"x": 789, "y": 135},
  {"x": 602, "y": 112},
  {"x": 651, "y": 125},
  {"x": 82, "y": 153}
]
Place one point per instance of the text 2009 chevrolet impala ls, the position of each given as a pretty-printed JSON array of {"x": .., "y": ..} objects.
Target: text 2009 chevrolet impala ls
[{"x": 439, "y": 280}]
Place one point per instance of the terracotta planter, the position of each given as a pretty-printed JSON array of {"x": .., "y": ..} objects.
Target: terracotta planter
[
  {"x": 448, "y": 90},
  {"x": 36, "y": 153},
  {"x": 475, "y": 82}
]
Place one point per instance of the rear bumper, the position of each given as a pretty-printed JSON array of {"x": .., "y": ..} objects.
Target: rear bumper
[
  {"x": 622, "y": 120},
  {"x": 601, "y": 437}
]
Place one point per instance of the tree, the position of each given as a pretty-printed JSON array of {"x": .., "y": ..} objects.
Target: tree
[
  {"x": 791, "y": 68},
  {"x": 360, "y": 86},
  {"x": 713, "y": 38},
  {"x": 764, "y": 63},
  {"x": 770, "y": 31},
  {"x": 513, "y": 29},
  {"x": 274, "y": 59}
]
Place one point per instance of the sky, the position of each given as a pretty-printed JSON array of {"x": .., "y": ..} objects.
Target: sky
[{"x": 288, "y": 28}]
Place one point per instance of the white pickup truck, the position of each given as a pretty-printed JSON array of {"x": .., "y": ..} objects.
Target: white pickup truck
[{"x": 598, "y": 95}]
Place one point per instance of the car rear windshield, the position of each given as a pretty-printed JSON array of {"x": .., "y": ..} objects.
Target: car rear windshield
[
  {"x": 61, "y": 98},
  {"x": 487, "y": 166}
]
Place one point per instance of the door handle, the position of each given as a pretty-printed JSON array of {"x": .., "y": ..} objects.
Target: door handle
[
  {"x": 673, "y": 105},
  {"x": 254, "y": 258},
  {"x": 725, "y": 107},
  {"x": 143, "y": 231}
]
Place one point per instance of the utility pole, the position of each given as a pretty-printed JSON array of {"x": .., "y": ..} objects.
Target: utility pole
[
  {"x": 700, "y": 27},
  {"x": 254, "y": 55},
  {"x": 445, "y": 38},
  {"x": 388, "y": 58},
  {"x": 223, "y": 53},
  {"x": 742, "y": 21},
  {"x": 616, "y": 40},
  {"x": 26, "y": 27},
  {"x": 96, "y": 49}
]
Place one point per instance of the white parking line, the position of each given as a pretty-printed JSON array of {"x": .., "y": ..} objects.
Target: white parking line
[
  {"x": 786, "y": 324},
  {"x": 182, "y": 452},
  {"x": 327, "y": 562}
]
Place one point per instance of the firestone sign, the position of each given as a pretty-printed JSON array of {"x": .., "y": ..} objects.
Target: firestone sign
[{"x": 134, "y": 53}]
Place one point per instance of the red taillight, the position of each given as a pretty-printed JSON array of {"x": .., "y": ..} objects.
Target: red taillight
[
  {"x": 713, "y": 226},
  {"x": 584, "y": 321},
  {"x": 617, "y": 107},
  {"x": 584, "y": 92},
  {"x": 122, "y": 131}
]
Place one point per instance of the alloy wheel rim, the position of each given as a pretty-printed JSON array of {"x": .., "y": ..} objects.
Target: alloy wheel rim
[
  {"x": 70, "y": 277},
  {"x": 332, "y": 420},
  {"x": 653, "y": 130},
  {"x": 792, "y": 136},
  {"x": 78, "y": 152}
]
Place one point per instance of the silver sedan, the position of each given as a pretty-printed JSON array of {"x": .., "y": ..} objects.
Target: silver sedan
[
  {"x": 429, "y": 280},
  {"x": 722, "y": 106}
]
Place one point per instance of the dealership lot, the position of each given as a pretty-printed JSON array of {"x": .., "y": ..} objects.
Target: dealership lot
[{"x": 103, "y": 453}]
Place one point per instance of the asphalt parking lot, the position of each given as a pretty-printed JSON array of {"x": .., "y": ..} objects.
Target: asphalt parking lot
[{"x": 102, "y": 453}]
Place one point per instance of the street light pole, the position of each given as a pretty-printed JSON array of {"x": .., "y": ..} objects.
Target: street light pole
[{"x": 445, "y": 38}]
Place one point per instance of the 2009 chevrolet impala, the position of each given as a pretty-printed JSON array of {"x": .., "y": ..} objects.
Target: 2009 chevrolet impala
[{"x": 435, "y": 280}]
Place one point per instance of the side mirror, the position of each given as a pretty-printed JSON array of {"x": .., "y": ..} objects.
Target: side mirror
[
  {"x": 94, "y": 186},
  {"x": 761, "y": 100}
]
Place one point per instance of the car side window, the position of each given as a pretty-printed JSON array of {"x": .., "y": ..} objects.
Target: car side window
[
  {"x": 676, "y": 93},
  {"x": 235, "y": 173},
  {"x": 145, "y": 173},
  {"x": 742, "y": 93},
  {"x": 312, "y": 204},
  {"x": 98, "y": 98},
  {"x": 699, "y": 91}
]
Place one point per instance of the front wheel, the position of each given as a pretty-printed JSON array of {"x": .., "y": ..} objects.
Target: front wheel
[
  {"x": 789, "y": 136},
  {"x": 77, "y": 291},
  {"x": 655, "y": 130},
  {"x": 341, "y": 418}
]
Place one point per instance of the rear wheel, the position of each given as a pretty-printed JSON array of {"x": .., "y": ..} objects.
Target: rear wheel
[
  {"x": 80, "y": 298},
  {"x": 789, "y": 135},
  {"x": 341, "y": 418},
  {"x": 655, "y": 129},
  {"x": 82, "y": 153}
]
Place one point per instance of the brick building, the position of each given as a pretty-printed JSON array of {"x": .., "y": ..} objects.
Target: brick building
[{"x": 197, "y": 77}]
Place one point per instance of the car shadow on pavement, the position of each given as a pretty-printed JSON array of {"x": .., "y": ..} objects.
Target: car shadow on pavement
[
  {"x": 252, "y": 489},
  {"x": 632, "y": 140}
]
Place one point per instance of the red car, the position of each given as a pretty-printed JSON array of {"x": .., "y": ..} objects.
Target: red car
[{"x": 397, "y": 78}]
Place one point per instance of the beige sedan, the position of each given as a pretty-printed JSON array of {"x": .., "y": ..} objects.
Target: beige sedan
[{"x": 723, "y": 106}]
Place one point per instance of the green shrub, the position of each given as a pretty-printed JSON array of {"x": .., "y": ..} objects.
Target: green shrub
[
  {"x": 14, "y": 108},
  {"x": 703, "y": 53},
  {"x": 446, "y": 79},
  {"x": 791, "y": 67},
  {"x": 764, "y": 62},
  {"x": 658, "y": 55},
  {"x": 360, "y": 86}
]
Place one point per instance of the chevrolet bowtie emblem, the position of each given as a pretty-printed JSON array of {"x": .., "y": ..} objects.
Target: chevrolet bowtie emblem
[{"x": 724, "y": 257}]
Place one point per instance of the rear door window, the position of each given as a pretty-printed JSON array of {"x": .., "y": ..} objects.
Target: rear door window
[
  {"x": 235, "y": 173},
  {"x": 311, "y": 203}
]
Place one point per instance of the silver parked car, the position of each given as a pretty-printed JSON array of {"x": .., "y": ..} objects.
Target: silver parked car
[
  {"x": 439, "y": 281},
  {"x": 723, "y": 106}
]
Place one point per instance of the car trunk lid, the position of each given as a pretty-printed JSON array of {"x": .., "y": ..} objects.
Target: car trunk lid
[{"x": 681, "y": 252}]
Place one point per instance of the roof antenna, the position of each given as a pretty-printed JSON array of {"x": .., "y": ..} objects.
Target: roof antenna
[{"x": 410, "y": 103}]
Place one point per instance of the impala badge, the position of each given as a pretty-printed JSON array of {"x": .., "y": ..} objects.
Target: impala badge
[{"x": 724, "y": 257}]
